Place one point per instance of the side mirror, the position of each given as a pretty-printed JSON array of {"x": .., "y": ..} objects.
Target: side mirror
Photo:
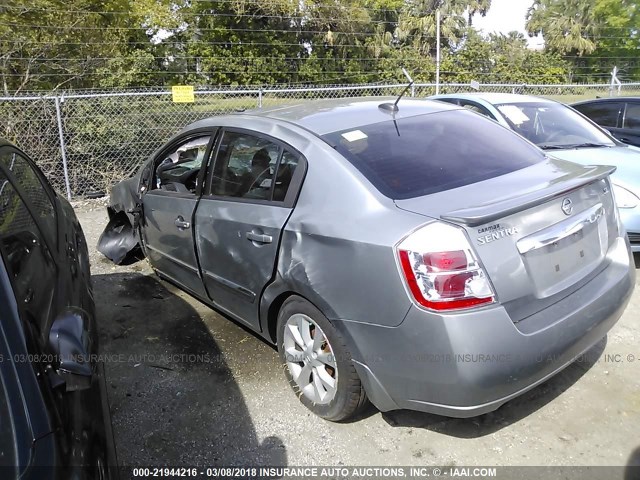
[{"x": 70, "y": 342}]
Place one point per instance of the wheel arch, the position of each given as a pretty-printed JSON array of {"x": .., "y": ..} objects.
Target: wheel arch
[{"x": 274, "y": 297}]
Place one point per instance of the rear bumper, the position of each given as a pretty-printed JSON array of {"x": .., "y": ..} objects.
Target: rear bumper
[{"x": 467, "y": 364}]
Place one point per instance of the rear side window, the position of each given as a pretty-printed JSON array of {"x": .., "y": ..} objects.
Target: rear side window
[
  {"x": 253, "y": 168},
  {"x": 604, "y": 114},
  {"x": 34, "y": 188},
  {"x": 632, "y": 116},
  {"x": 474, "y": 107},
  {"x": 426, "y": 154}
]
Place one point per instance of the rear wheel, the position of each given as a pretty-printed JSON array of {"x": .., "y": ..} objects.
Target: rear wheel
[{"x": 317, "y": 362}]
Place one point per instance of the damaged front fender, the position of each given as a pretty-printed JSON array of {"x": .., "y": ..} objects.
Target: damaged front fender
[{"x": 120, "y": 241}]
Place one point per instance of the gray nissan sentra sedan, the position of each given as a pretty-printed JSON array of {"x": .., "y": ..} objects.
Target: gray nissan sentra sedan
[{"x": 417, "y": 256}]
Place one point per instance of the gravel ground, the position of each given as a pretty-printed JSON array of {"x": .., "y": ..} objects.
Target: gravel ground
[{"x": 189, "y": 387}]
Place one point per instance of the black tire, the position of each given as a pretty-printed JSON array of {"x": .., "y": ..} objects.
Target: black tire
[{"x": 350, "y": 397}]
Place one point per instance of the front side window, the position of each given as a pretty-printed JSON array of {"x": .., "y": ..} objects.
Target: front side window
[
  {"x": 552, "y": 125},
  {"x": 179, "y": 169},
  {"x": 425, "y": 154},
  {"x": 605, "y": 114},
  {"x": 36, "y": 191}
]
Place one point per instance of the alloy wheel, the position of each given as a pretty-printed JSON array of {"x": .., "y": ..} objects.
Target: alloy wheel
[{"x": 310, "y": 359}]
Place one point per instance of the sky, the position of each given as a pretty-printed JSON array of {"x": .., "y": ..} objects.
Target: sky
[{"x": 505, "y": 16}]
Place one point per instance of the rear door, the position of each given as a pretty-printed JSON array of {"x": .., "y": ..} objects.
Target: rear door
[
  {"x": 631, "y": 124},
  {"x": 250, "y": 194},
  {"x": 168, "y": 208}
]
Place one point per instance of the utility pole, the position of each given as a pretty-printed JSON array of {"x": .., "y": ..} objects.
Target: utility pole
[{"x": 437, "y": 51}]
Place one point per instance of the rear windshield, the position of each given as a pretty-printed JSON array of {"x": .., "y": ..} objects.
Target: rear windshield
[{"x": 430, "y": 153}]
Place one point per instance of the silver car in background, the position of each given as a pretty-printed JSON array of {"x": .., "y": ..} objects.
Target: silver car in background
[
  {"x": 418, "y": 256},
  {"x": 564, "y": 133}
]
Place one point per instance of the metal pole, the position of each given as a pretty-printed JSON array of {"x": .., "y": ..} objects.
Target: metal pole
[
  {"x": 260, "y": 98},
  {"x": 437, "y": 52},
  {"x": 614, "y": 82},
  {"x": 63, "y": 149}
]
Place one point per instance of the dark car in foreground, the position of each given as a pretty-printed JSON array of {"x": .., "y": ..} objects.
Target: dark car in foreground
[
  {"x": 619, "y": 115},
  {"x": 54, "y": 419},
  {"x": 416, "y": 255}
]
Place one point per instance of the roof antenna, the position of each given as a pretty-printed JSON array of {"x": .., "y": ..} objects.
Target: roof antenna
[{"x": 393, "y": 107}]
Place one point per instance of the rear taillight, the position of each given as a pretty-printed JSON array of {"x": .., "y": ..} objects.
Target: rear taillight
[{"x": 441, "y": 270}]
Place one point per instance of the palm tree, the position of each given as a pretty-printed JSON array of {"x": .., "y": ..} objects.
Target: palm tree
[
  {"x": 477, "y": 6},
  {"x": 567, "y": 26},
  {"x": 417, "y": 24}
]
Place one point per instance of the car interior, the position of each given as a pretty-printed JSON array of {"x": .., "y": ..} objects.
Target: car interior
[{"x": 179, "y": 170}]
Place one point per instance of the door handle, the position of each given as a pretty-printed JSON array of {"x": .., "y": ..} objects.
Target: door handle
[
  {"x": 181, "y": 224},
  {"x": 256, "y": 237}
]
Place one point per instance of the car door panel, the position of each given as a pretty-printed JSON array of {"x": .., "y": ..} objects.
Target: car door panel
[
  {"x": 169, "y": 206},
  {"x": 168, "y": 238},
  {"x": 237, "y": 245},
  {"x": 252, "y": 188}
]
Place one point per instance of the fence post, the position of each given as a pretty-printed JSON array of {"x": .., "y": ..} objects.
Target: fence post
[
  {"x": 62, "y": 148},
  {"x": 437, "y": 51},
  {"x": 260, "y": 97}
]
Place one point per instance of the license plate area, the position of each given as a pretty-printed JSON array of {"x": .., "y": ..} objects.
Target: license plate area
[{"x": 563, "y": 254}]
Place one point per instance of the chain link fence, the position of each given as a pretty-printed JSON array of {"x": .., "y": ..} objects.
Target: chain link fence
[{"x": 86, "y": 142}]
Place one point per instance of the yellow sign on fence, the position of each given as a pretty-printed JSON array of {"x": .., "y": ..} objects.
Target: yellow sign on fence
[{"x": 182, "y": 93}]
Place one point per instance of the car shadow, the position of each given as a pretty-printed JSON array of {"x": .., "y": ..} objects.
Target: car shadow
[
  {"x": 174, "y": 400},
  {"x": 511, "y": 412},
  {"x": 632, "y": 470}
]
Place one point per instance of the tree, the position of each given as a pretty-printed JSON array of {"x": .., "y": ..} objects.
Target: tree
[
  {"x": 567, "y": 26},
  {"x": 50, "y": 44},
  {"x": 417, "y": 24},
  {"x": 502, "y": 58},
  {"x": 477, "y": 6},
  {"x": 596, "y": 34}
]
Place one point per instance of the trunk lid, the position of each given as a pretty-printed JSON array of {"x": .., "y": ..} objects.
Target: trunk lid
[{"x": 541, "y": 232}]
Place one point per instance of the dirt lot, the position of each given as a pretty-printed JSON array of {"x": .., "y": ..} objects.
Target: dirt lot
[{"x": 189, "y": 387}]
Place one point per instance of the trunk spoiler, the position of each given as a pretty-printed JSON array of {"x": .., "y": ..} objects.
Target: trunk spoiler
[{"x": 481, "y": 214}]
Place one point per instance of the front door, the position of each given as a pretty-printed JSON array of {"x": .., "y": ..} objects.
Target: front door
[
  {"x": 252, "y": 190},
  {"x": 168, "y": 212}
]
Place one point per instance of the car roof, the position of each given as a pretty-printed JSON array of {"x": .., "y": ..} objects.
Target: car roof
[
  {"x": 333, "y": 115},
  {"x": 608, "y": 99},
  {"x": 495, "y": 98}
]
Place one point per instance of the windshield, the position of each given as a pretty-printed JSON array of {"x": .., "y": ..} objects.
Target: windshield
[
  {"x": 553, "y": 125},
  {"x": 425, "y": 154}
]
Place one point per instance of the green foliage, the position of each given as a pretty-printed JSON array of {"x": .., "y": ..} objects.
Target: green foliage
[
  {"x": 40, "y": 48},
  {"x": 56, "y": 44},
  {"x": 595, "y": 34},
  {"x": 502, "y": 59}
]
